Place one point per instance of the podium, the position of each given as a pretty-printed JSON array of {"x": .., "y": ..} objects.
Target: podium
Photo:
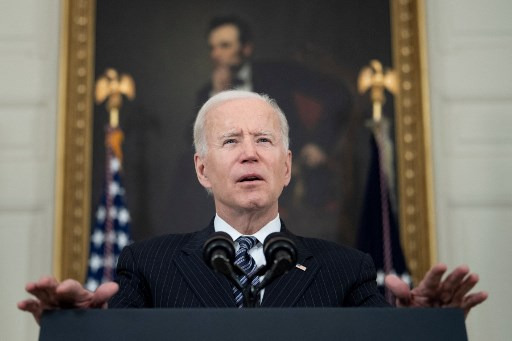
[{"x": 263, "y": 324}]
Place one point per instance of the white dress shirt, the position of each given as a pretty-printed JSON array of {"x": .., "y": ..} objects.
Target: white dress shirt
[{"x": 244, "y": 75}]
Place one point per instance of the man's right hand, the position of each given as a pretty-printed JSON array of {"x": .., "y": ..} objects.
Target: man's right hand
[{"x": 51, "y": 294}]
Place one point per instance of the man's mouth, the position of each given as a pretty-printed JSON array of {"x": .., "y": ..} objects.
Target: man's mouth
[{"x": 250, "y": 178}]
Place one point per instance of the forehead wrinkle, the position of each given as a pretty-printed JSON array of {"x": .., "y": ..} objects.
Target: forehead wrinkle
[
  {"x": 238, "y": 131},
  {"x": 231, "y": 133}
]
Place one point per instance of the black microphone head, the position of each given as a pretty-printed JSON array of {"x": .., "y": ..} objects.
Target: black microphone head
[
  {"x": 278, "y": 244},
  {"x": 218, "y": 244}
]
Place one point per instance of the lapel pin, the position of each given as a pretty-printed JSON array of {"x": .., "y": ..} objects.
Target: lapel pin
[{"x": 301, "y": 267}]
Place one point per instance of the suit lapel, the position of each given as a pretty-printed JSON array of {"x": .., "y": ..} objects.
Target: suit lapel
[
  {"x": 211, "y": 288},
  {"x": 286, "y": 290}
]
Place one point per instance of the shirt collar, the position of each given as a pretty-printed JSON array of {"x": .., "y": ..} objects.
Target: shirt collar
[
  {"x": 222, "y": 226},
  {"x": 245, "y": 73}
]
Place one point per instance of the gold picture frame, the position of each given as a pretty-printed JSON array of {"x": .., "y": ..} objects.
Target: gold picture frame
[{"x": 73, "y": 169}]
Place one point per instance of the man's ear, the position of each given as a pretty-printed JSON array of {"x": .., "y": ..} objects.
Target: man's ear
[
  {"x": 201, "y": 171},
  {"x": 288, "y": 168}
]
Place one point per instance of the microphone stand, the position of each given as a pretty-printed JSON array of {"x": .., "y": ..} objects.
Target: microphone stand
[{"x": 251, "y": 292}]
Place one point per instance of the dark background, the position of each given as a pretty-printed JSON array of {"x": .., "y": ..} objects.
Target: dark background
[{"x": 162, "y": 44}]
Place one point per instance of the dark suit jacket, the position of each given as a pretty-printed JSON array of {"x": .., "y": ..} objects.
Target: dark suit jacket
[{"x": 169, "y": 272}]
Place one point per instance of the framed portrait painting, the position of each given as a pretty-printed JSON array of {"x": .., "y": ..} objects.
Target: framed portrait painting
[{"x": 305, "y": 55}]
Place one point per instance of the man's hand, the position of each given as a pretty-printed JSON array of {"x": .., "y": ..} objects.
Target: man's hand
[
  {"x": 50, "y": 294},
  {"x": 433, "y": 291}
]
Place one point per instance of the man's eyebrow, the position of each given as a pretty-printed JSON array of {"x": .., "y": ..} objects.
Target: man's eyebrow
[
  {"x": 263, "y": 132},
  {"x": 236, "y": 133},
  {"x": 232, "y": 133}
]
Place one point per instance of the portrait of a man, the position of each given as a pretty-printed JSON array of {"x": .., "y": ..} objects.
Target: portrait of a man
[{"x": 308, "y": 66}]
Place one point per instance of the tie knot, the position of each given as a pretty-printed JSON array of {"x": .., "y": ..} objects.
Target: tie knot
[{"x": 246, "y": 242}]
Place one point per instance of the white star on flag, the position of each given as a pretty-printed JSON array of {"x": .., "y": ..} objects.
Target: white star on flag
[
  {"x": 97, "y": 238},
  {"x": 406, "y": 278},
  {"x": 91, "y": 284},
  {"x": 95, "y": 262},
  {"x": 122, "y": 239},
  {"x": 113, "y": 189},
  {"x": 114, "y": 165},
  {"x": 123, "y": 217},
  {"x": 101, "y": 213},
  {"x": 380, "y": 277}
]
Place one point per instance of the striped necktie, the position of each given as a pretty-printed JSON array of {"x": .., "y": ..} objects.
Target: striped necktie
[{"x": 247, "y": 263}]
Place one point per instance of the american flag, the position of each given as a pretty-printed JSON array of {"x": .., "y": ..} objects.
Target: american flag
[{"x": 111, "y": 229}]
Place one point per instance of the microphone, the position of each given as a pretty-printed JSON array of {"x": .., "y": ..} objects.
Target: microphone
[
  {"x": 219, "y": 253},
  {"x": 281, "y": 255},
  {"x": 279, "y": 250}
]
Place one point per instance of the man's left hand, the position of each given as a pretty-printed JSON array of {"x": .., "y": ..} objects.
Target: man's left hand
[{"x": 434, "y": 291}]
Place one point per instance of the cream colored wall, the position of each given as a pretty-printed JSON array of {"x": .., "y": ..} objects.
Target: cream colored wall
[
  {"x": 470, "y": 54},
  {"x": 28, "y": 94}
]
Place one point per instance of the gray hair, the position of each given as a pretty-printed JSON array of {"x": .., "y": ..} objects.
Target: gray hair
[{"x": 200, "y": 144}]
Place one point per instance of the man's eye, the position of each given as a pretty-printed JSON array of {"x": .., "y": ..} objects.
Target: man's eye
[
  {"x": 229, "y": 141},
  {"x": 264, "y": 139}
]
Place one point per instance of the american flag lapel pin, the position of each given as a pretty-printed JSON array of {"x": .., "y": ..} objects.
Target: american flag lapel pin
[{"x": 300, "y": 267}]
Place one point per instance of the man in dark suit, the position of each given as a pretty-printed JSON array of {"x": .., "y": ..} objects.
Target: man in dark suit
[{"x": 242, "y": 159}]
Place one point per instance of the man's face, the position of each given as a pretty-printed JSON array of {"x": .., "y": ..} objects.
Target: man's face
[
  {"x": 225, "y": 47},
  {"x": 246, "y": 165}
]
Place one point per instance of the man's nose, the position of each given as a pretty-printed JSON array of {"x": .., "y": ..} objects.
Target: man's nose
[{"x": 249, "y": 152}]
